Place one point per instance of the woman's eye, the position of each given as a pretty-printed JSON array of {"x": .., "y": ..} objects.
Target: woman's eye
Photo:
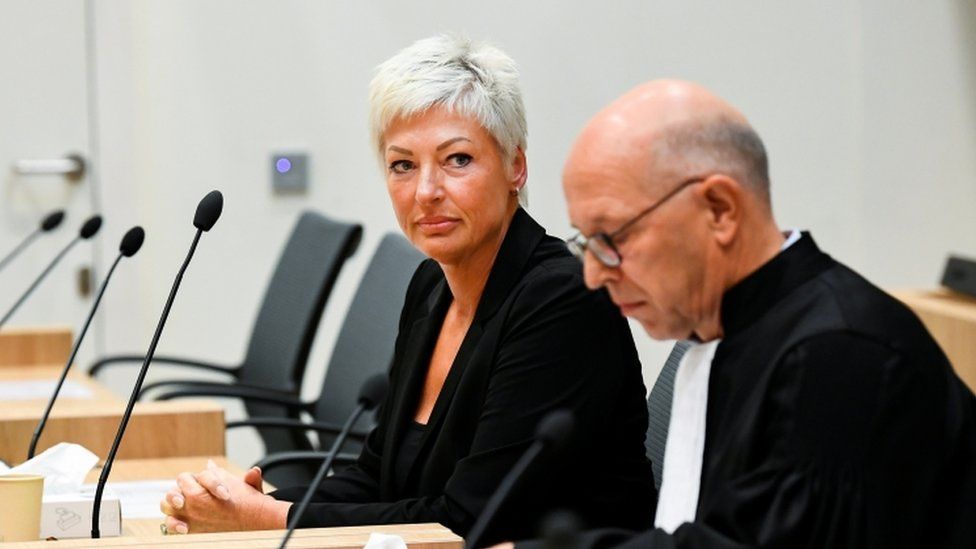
[
  {"x": 459, "y": 160},
  {"x": 401, "y": 166}
]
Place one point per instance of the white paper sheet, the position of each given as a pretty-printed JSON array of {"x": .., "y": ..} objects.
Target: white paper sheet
[
  {"x": 139, "y": 500},
  {"x": 41, "y": 388}
]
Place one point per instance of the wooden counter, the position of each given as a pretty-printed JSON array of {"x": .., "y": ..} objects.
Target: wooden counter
[
  {"x": 20, "y": 345},
  {"x": 951, "y": 318}
]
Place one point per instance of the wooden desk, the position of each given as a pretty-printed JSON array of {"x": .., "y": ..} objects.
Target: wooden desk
[
  {"x": 157, "y": 429},
  {"x": 951, "y": 318},
  {"x": 417, "y": 536},
  {"x": 21, "y": 345},
  {"x": 145, "y": 532}
]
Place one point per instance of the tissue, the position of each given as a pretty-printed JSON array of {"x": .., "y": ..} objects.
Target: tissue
[{"x": 64, "y": 467}]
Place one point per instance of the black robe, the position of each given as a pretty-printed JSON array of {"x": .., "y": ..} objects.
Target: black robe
[{"x": 833, "y": 420}]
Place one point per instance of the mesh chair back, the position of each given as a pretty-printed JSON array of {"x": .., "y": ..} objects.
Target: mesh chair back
[
  {"x": 364, "y": 345},
  {"x": 293, "y": 302},
  {"x": 289, "y": 315}
]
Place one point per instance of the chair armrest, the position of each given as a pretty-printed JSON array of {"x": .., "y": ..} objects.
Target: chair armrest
[
  {"x": 137, "y": 360},
  {"x": 313, "y": 458},
  {"x": 243, "y": 392},
  {"x": 295, "y": 424}
]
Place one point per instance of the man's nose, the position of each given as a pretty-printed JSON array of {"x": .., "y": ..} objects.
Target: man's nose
[{"x": 595, "y": 273}]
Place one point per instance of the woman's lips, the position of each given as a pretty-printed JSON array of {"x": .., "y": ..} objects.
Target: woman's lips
[{"x": 437, "y": 224}]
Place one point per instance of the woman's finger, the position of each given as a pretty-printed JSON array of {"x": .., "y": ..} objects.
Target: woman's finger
[
  {"x": 175, "y": 526},
  {"x": 211, "y": 481}
]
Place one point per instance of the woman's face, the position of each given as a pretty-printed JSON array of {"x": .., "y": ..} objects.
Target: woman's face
[{"x": 449, "y": 185}]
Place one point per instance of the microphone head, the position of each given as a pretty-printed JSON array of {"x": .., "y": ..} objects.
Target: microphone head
[
  {"x": 208, "y": 211},
  {"x": 132, "y": 241},
  {"x": 555, "y": 430},
  {"x": 52, "y": 220},
  {"x": 90, "y": 228},
  {"x": 374, "y": 391},
  {"x": 560, "y": 529}
]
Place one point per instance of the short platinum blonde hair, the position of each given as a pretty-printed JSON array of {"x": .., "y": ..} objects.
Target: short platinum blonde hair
[{"x": 471, "y": 79}]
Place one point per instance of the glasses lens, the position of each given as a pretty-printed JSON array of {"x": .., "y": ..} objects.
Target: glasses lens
[
  {"x": 577, "y": 246},
  {"x": 600, "y": 245}
]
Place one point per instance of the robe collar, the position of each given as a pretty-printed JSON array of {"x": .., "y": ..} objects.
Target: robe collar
[{"x": 753, "y": 296}]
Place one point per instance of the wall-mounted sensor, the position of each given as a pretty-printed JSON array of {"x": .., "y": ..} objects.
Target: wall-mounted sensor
[{"x": 289, "y": 172}]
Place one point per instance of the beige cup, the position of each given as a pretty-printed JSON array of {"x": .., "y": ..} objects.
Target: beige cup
[{"x": 20, "y": 507}]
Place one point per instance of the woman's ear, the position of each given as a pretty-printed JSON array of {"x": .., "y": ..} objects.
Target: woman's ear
[{"x": 519, "y": 169}]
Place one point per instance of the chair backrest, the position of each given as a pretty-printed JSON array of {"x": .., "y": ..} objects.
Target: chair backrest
[
  {"x": 294, "y": 299},
  {"x": 289, "y": 317},
  {"x": 364, "y": 345}
]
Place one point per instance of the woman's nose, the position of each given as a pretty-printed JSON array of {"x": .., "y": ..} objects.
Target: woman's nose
[{"x": 429, "y": 188}]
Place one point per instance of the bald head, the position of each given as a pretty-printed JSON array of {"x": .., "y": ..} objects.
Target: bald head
[
  {"x": 674, "y": 181},
  {"x": 672, "y": 128}
]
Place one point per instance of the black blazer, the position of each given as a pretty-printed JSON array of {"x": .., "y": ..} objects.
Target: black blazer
[{"x": 539, "y": 341}]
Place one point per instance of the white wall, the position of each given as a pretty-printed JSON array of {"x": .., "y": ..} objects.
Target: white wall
[
  {"x": 42, "y": 115},
  {"x": 868, "y": 110}
]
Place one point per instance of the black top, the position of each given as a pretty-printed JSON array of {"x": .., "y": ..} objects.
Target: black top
[
  {"x": 409, "y": 450},
  {"x": 833, "y": 420},
  {"x": 539, "y": 341}
]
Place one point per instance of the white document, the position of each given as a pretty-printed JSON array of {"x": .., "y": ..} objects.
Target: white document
[
  {"x": 139, "y": 499},
  {"x": 32, "y": 389}
]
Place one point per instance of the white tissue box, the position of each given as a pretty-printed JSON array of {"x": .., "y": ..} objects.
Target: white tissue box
[{"x": 68, "y": 516}]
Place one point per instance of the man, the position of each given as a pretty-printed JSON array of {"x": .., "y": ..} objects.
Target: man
[{"x": 815, "y": 410}]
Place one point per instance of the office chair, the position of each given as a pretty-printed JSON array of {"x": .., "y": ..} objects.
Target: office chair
[
  {"x": 363, "y": 347},
  {"x": 287, "y": 321}
]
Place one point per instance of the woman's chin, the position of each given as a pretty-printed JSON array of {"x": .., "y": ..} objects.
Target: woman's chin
[{"x": 445, "y": 251}]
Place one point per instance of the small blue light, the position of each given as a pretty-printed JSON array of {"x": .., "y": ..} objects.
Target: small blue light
[{"x": 283, "y": 165}]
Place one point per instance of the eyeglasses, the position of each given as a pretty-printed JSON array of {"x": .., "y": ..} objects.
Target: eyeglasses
[{"x": 601, "y": 244}]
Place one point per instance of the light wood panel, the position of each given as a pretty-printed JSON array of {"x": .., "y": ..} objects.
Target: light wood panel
[
  {"x": 951, "y": 318},
  {"x": 417, "y": 536},
  {"x": 175, "y": 428},
  {"x": 24, "y": 345}
]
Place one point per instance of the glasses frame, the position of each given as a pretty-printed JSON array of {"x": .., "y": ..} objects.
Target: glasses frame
[{"x": 601, "y": 244}]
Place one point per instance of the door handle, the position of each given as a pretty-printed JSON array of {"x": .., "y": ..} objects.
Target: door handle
[{"x": 72, "y": 167}]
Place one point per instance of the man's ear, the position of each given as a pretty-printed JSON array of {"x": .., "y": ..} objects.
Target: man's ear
[{"x": 725, "y": 198}]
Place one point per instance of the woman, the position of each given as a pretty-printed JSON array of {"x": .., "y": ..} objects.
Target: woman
[{"x": 497, "y": 330}]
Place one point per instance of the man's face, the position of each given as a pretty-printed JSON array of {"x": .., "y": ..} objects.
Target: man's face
[{"x": 662, "y": 280}]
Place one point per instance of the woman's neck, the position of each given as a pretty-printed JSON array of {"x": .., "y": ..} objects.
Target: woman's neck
[{"x": 467, "y": 278}]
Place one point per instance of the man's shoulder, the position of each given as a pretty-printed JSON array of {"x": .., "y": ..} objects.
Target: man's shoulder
[{"x": 865, "y": 312}]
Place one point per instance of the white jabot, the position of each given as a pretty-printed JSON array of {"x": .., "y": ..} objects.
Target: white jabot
[
  {"x": 684, "y": 451},
  {"x": 792, "y": 236},
  {"x": 685, "y": 447}
]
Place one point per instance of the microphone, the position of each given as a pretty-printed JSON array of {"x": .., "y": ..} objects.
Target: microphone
[
  {"x": 370, "y": 395},
  {"x": 88, "y": 230},
  {"x": 560, "y": 530},
  {"x": 208, "y": 211},
  {"x": 131, "y": 242},
  {"x": 551, "y": 436},
  {"x": 48, "y": 224}
]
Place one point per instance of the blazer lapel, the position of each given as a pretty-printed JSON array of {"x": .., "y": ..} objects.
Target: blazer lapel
[
  {"x": 523, "y": 236},
  {"x": 418, "y": 345}
]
